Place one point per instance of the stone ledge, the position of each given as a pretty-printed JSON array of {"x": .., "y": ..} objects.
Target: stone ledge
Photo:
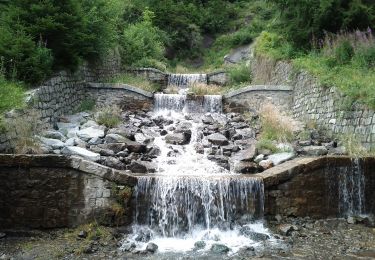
[
  {"x": 148, "y": 69},
  {"x": 258, "y": 88},
  {"x": 286, "y": 171},
  {"x": 120, "y": 86},
  {"x": 59, "y": 161}
]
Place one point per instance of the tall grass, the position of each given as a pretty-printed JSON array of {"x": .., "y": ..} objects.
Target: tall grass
[
  {"x": 202, "y": 89},
  {"x": 110, "y": 116},
  {"x": 12, "y": 95},
  {"x": 136, "y": 81}
]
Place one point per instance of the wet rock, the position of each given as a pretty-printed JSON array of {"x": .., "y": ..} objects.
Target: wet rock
[
  {"x": 314, "y": 150},
  {"x": 304, "y": 143},
  {"x": 90, "y": 132},
  {"x": 219, "y": 249},
  {"x": 177, "y": 139},
  {"x": 247, "y": 154},
  {"x": 351, "y": 220},
  {"x": 2, "y": 235},
  {"x": 154, "y": 151},
  {"x": 53, "y": 143},
  {"x": 246, "y": 167},
  {"x": 255, "y": 236},
  {"x": 142, "y": 167},
  {"x": 259, "y": 158},
  {"x": 163, "y": 132},
  {"x": 208, "y": 119},
  {"x": 266, "y": 164},
  {"x": 51, "y": 134},
  {"x": 70, "y": 142},
  {"x": 220, "y": 160},
  {"x": 144, "y": 139},
  {"x": 115, "y": 138},
  {"x": 73, "y": 150},
  {"x": 286, "y": 229},
  {"x": 80, "y": 143},
  {"x": 199, "y": 245},
  {"x": 338, "y": 151},
  {"x": 82, "y": 234},
  {"x": 115, "y": 147},
  {"x": 279, "y": 158},
  {"x": 113, "y": 162},
  {"x": 135, "y": 147},
  {"x": 143, "y": 235},
  {"x": 151, "y": 247},
  {"x": 218, "y": 139},
  {"x": 199, "y": 148},
  {"x": 128, "y": 247}
]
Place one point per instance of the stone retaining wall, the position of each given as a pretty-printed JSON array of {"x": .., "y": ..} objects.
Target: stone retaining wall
[
  {"x": 253, "y": 97},
  {"x": 218, "y": 78},
  {"x": 153, "y": 75},
  {"x": 50, "y": 191},
  {"x": 125, "y": 96},
  {"x": 326, "y": 106},
  {"x": 311, "y": 186}
]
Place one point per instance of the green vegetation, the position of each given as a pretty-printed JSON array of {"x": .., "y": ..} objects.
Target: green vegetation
[
  {"x": 136, "y": 81},
  {"x": 239, "y": 74},
  {"x": 110, "y": 116},
  {"x": 86, "y": 105},
  {"x": 201, "y": 89},
  {"x": 353, "y": 146},
  {"x": 12, "y": 95},
  {"x": 266, "y": 144}
]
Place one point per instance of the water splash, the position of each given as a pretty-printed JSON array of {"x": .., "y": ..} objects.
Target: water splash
[{"x": 213, "y": 103}]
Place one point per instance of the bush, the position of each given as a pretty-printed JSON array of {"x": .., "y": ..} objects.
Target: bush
[
  {"x": 239, "y": 74},
  {"x": 266, "y": 144},
  {"x": 86, "y": 105},
  {"x": 12, "y": 95},
  {"x": 110, "y": 116},
  {"x": 344, "y": 52},
  {"x": 142, "y": 42}
]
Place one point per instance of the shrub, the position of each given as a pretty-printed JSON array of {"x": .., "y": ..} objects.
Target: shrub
[
  {"x": 12, "y": 95},
  {"x": 239, "y": 74},
  {"x": 344, "y": 52},
  {"x": 110, "y": 116},
  {"x": 353, "y": 146},
  {"x": 276, "y": 126},
  {"x": 23, "y": 131},
  {"x": 142, "y": 42},
  {"x": 87, "y": 105},
  {"x": 266, "y": 144}
]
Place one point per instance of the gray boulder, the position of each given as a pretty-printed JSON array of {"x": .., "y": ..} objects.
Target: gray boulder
[
  {"x": 219, "y": 249},
  {"x": 115, "y": 138},
  {"x": 177, "y": 139},
  {"x": 246, "y": 167},
  {"x": 51, "y": 134},
  {"x": 314, "y": 150},
  {"x": 53, "y": 143},
  {"x": 142, "y": 167},
  {"x": 279, "y": 158},
  {"x": 218, "y": 139},
  {"x": 90, "y": 133},
  {"x": 86, "y": 154}
]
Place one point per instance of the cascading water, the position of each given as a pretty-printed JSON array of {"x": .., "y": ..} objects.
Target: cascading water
[
  {"x": 352, "y": 190},
  {"x": 186, "y": 80},
  {"x": 191, "y": 198}
]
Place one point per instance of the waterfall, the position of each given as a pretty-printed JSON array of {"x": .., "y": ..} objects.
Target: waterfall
[
  {"x": 176, "y": 206},
  {"x": 171, "y": 102},
  {"x": 213, "y": 104},
  {"x": 352, "y": 189},
  {"x": 188, "y": 104},
  {"x": 186, "y": 80}
]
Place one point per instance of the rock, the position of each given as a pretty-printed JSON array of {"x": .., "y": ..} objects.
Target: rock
[
  {"x": 95, "y": 141},
  {"x": 115, "y": 147},
  {"x": 113, "y": 162},
  {"x": 51, "y": 134},
  {"x": 53, "y": 143},
  {"x": 151, "y": 247},
  {"x": 304, "y": 143},
  {"x": 286, "y": 229},
  {"x": 246, "y": 167},
  {"x": 142, "y": 167},
  {"x": 90, "y": 123},
  {"x": 219, "y": 249},
  {"x": 199, "y": 148},
  {"x": 314, "y": 150},
  {"x": 279, "y": 158},
  {"x": 115, "y": 138},
  {"x": 285, "y": 147},
  {"x": 154, "y": 151},
  {"x": 208, "y": 119},
  {"x": 218, "y": 139},
  {"x": 199, "y": 245},
  {"x": 351, "y": 220},
  {"x": 135, "y": 147},
  {"x": 128, "y": 247},
  {"x": 70, "y": 142},
  {"x": 73, "y": 150},
  {"x": 259, "y": 158},
  {"x": 255, "y": 236},
  {"x": 142, "y": 138},
  {"x": 246, "y": 155},
  {"x": 266, "y": 164},
  {"x": 177, "y": 139},
  {"x": 82, "y": 234},
  {"x": 90, "y": 132},
  {"x": 2, "y": 235},
  {"x": 143, "y": 235},
  {"x": 80, "y": 143},
  {"x": 101, "y": 151},
  {"x": 125, "y": 132},
  {"x": 246, "y": 133},
  {"x": 220, "y": 160}
]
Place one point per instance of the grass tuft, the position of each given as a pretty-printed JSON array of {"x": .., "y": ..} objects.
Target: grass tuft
[{"x": 110, "y": 116}]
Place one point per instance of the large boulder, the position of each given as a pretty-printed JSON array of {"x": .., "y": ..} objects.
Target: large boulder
[
  {"x": 143, "y": 138},
  {"x": 86, "y": 154},
  {"x": 314, "y": 150},
  {"x": 52, "y": 134},
  {"x": 255, "y": 236},
  {"x": 219, "y": 249},
  {"x": 177, "y": 139},
  {"x": 218, "y": 139},
  {"x": 279, "y": 158},
  {"x": 90, "y": 133},
  {"x": 125, "y": 132},
  {"x": 115, "y": 138},
  {"x": 246, "y": 167},
  {"x": 53, "y": 143},
  {"x": 246, "y": 155},
  {"x": 142, "y": 167}
]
